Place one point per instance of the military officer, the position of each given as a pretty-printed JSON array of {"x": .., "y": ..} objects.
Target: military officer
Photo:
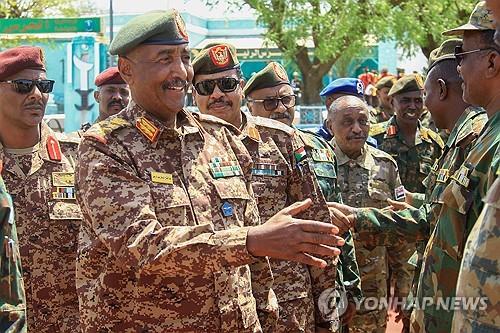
[
  {"x": 414, "y": 147},
  {"x": 268, "y": 93},
  {"x": 384, "y": 111},
  {"x": 367, "y": 178},
  {"x": 277, "y": 179},
  {"x": 12, "y": 296},
  {"x": 39, "y": 174},
  {"x": 170, "y": 229}
]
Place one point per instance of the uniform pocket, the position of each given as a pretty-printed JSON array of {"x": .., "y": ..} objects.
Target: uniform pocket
[
  {"x": 170, "y": 201},
  {"x": 378, "y": 190},
  {"x": 65, "y": 218}
]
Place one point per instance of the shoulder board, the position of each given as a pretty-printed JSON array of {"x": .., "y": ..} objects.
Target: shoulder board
[
  {"x": 381, "y": 154},
  {"x": 377, "y": 129},
  {"x": 313, "y": 140},
  {"x": 434, "y": 137},
  {"x": 72, "y": 137},
  {"x": 102, "y": 129},
  {"x": 274, "y": 124}
]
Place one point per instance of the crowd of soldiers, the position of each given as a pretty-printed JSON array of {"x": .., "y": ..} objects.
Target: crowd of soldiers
[{"x": 156, "y": 219}]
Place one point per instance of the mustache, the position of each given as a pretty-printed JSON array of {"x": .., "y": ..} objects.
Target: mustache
[
  {"x": 356, "y": 137},
  {"x": 34, "y": 104},
  {"x": 278, "y": 115},
  {"x": 116, "y": 102},
  {"x": 220, "y": 100},
  {"x": 175, "y": 83}
]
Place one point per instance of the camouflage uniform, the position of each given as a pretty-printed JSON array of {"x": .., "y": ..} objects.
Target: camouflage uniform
[
  {"x": 380, "y": 115},
  {"x": 277, "y": 182},
  {"x": 462, "y": 206},
  {"x": 12, "y": 298},
  {"x": 163, "y": 241},
  {"x": 414, "y": 161},
  {"x": 369, "y": 181},
  {"x": 479, "y": 272},
  {"x": 41, "y": 183},
  {"x": 324, "y": 164}
]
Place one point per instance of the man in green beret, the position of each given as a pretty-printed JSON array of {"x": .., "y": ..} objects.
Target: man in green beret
[
  {"x": 12, "y": 297},
  {"x": 267, "y": 93},
  {"x": 279, "y": 176},
  {"x": 171, "y": 239},
  {"x": 384, "y": 109}
]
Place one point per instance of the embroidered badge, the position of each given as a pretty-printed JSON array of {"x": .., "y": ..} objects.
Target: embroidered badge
[
  {"x": 181, "y": 26},
  {"x": 399, "y": 193},
  {"x": 220, "y": 55},
  {"x": 300, "y": 154},
  {"x": 392, "y": 130},
  {"x": 227, "y": 209},
  {"x": 63, "y": 179},
  {"x": 53, "y": 149},
  {"x": 253, "y": 133},
  {"x": 443, "y": 175},
  {"x": 147, "y": 128},
  {"x": 280, "y": 71}
]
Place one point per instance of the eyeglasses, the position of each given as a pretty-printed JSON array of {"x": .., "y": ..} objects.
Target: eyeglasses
[
  {"x": 225, "y": 84},
  {"x": 460, "y": 54},
  {"x": 24, "y": 86},
  {"x": 271, "y": 104}
]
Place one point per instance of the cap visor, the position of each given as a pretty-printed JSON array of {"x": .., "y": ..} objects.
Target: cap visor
[{"x": 460, "y": 30}]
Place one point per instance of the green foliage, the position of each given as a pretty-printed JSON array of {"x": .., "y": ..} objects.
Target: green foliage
[{"x": 45, "y": 8}]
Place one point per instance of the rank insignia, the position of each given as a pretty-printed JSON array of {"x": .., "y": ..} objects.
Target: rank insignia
[
  {"x": 267, "y": 169},
  {"x": 435, "y": 166},
  {"x": 253, "y": 133},
  {"x": 227, "y": 209},
  {"x": 222, "y": 169},
  {"x": 162, "y": 178},
  {"x": 64, "y": 193},
  {"x": 147, "y": 128},
  {"x": 399, "y": 193},
  {"x": 443, "y": 175},
  {"x": 63, "y": 179},
  {"x": 322, "y": 155},
  {"x": 462, "y": 176},
  {"x": 392, "y": 130},
  {"x": 53, "y": 149}
]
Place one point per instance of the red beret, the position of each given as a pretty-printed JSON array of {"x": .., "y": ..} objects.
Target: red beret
[
  {"x": 14, "y": 60},
  {"x": 109, "y": 76}
]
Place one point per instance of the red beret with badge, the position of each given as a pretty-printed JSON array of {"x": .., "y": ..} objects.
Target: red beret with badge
[
  {"x": 16, "y": 59},
  {"x": 109, "y": 76}
]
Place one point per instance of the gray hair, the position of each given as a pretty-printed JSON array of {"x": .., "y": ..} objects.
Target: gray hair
[{"x": 347, "y": 102}]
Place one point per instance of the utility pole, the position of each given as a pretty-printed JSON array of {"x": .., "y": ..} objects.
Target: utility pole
[{"x": 111, "y": 28}]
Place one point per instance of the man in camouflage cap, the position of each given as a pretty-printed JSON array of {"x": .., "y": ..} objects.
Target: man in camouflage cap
[
  {"x": 414, "y": 147},
  {"x": 171, "y": 234},
  {"x": 367, "y": 178},
  {"x": 384, "y": 110},
  {"x": 270, "y": 95},
  {"x": 278, "y": 179},
  {"x": 38, "y": 169},
  {"x": 12, "y": 298}
]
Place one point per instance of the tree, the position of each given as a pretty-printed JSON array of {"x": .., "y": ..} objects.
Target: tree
[
  {"x": 43, "y": 8},
  {"x": 316, "y": 33}
]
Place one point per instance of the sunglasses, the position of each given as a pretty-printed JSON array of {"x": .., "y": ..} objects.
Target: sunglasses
[
  {"x": 225, "y": 84},
  {"x": 271, "y": 104},
  {"x": 24, "y": 86},
  {"x": 460, "y": 54}
]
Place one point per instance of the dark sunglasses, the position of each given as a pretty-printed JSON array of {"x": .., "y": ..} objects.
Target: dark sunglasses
[
  {"x": 271, "y": 104},
  {"x": 225, "y": 84},
  {"x": 460, "y": 54},
  {"x": 25, "y": 86}
]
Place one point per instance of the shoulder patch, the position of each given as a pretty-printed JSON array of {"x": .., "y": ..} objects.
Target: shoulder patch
[
  {"x": 377, "y": 129},
  {"x": 72, "y": 137},
  {"x": 274, "y": 124},
  {"x": 313, "y": 140},
  {"x": 435, "y": 137},
  {"x": 102, "y": 129}
]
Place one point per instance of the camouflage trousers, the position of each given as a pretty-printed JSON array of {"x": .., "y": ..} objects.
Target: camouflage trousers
[
  {"x": 296, "y": 316},
  {"x": 369, "y": 321}
]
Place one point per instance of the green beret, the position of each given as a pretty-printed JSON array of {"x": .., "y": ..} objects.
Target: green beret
[
  {"x": 386, "y": 82},
  {"x": 215, "y": 58},
  {"x": 445, "y": 51},
  {"x": 270, "y": 76},
  {"x": 152, "y": 28},
  {"x": 408, "y": 83},
  {"x": 480, "y": 19}
]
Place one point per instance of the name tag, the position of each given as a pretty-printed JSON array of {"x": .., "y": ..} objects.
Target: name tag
[{"x": 162, "y": 178}]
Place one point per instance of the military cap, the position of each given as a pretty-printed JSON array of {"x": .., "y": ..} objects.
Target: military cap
[
  {"x": 445, "y": 51},
  {"x": 109, "y": 76},
  {"x": 348, "y": 86},
  {"x": 16, "y": 59},
  {"x": 215, "y": 58},
  {"x": 386, "y": 82},
  {"x": 153, "y": 28},
  {"x": 270, "y": 76},
  {"x": 408, "y": 83},
  {"x": 480, "y": 19}
]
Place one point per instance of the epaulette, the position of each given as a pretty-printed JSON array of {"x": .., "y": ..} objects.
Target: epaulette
[
  {"x": 102, "y": 129},
  {"x": 381, "y": 154},
  {"x": 274, "y": 124},
  {"x": 72, "y": 137},
  {"x": 313, "y": 140},
  {"x": 214, "y": 121},
  {"x": 377, "y": 129},
  {"x": 433, "y": 136}
]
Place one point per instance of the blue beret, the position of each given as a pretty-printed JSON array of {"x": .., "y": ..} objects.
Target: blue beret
[{"x": 348, "y": 86}]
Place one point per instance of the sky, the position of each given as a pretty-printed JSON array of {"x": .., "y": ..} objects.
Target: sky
[{"x": 195, "y": 7}]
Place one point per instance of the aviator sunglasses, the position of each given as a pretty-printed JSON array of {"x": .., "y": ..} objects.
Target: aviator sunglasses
[
  {"x": 25, "y": 86},
  {"x": 271, "y": 104},
  {"x": 225, "y": 84},
  {"x": 460, "y": 54}
]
